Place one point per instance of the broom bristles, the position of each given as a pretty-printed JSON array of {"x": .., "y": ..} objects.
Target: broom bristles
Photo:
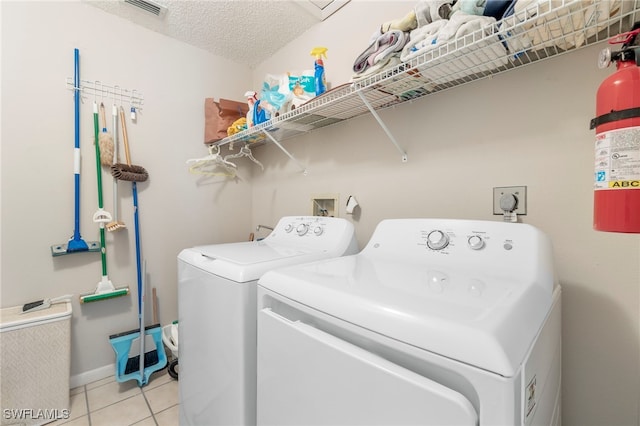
[
  {"x": 130, "y": 173},
  {"x": 115, "y": 225}
]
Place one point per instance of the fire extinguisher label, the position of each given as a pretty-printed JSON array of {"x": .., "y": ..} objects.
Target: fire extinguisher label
[{"x": 618, "y": 159}]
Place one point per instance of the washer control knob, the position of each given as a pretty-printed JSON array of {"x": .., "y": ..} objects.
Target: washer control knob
[
  {"x": 437, "y": 240},
  {"x": 288, "y": 228},
  {"x": 318, "y": 230},
  {"x": 475, "y": 242},
  {"x": 302, "y": 229}
]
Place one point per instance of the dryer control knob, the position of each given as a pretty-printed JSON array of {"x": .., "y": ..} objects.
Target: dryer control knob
[
  {"x": 302, "y": 229},
  {"x": 318, "y": 230},
  {"x": 475, "y": 242},
  {"x": 437, "y": 240},
  {"x": 288, "y": 228}
]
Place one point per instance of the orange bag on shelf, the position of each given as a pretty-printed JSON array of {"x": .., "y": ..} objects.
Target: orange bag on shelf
[{"x": 219, "y": 116}]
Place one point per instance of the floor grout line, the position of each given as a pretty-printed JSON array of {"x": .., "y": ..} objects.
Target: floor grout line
[
  {"x": 143, "y": 390},
  {"x": 149, "y": 406},
  {"x": 86, "y": 401}
]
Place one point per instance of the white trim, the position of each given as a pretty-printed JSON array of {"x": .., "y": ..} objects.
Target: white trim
[{"x": 91, "y": 376}]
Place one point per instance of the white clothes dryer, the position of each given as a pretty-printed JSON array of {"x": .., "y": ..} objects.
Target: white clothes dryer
[
  {"x": 435, "y": 322},
  {"x": 217, "y": 313}
]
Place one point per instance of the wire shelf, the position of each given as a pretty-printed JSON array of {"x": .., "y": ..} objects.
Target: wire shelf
[{"x": 540, "y": 30}]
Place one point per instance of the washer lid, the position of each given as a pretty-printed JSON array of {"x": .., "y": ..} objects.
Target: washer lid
[
  {"x": 246, "y": 261},
  {"x": 249, "y": 252},
  {"x": 484, "y": 321}
]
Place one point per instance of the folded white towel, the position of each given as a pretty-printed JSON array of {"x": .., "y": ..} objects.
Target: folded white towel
[
  {"x": 462, "y": 24},
  {"x": 428, "y": 11},
  {"x": 476, "y": 50},
  {"x": 436, "y": 34},
  {"x": 420, "y": 38}
]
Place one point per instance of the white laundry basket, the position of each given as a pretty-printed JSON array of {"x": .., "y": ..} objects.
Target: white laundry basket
[{"x": 35, "y": 356}]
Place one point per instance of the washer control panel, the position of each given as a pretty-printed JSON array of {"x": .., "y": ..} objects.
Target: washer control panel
[
  {"x": 311, "y": 231},
  {"x": 303, "y": 228}
]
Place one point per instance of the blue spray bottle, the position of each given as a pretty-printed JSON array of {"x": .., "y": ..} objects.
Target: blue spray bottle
[{"x": 320, "y": 81}]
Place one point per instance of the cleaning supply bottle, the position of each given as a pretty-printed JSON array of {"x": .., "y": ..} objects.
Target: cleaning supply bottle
[
  {"x": 252, "y": 98},
  {"x": 321, "y": 82}
]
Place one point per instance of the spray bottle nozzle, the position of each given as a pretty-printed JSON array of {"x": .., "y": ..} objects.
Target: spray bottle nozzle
[{"x": 319, "y": 52}]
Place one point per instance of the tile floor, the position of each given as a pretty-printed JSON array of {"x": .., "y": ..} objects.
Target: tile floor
[{"x": 107, "y": 402}]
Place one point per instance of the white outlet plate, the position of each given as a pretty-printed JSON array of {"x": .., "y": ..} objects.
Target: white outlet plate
[{"x": 519, "y": 191}]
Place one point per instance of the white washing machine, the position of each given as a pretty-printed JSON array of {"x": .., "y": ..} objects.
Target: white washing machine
[
  {"x": 217, "y": 313},
  {"x": 435, "y": 322}
]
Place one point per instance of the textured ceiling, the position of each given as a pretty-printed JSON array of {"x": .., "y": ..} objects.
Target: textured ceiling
[{"x": 245, "y": 31}]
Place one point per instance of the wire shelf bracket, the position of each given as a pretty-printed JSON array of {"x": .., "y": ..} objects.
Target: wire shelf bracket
[
  {"x": 384, "y": 127},
  {"x": 300, "y": 165}
]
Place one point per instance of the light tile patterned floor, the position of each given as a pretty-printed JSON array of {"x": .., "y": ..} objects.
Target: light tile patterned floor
[{"x": 107, "y": 402}]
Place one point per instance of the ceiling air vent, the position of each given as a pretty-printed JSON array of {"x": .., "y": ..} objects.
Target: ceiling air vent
[
  {"x": 322, "y": 9},
  {"x": 148, "y": 6}
]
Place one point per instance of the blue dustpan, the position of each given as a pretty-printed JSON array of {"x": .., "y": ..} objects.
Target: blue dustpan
[{"x": 129, "y": 368}]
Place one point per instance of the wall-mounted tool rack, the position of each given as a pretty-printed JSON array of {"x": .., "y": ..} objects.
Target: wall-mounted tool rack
[
  {"x": 99, "y": 90},
  {"x": 544, "y": 29}
]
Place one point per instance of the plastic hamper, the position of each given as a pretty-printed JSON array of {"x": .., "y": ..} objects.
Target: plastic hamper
[{"x": 34, "y": 364}]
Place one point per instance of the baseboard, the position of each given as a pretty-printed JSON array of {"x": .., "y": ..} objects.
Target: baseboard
[{"x": 92, "y": 375}]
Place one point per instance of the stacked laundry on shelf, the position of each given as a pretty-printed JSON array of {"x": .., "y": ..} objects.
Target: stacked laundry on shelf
[
  {"x": 431, "y": 24},
  {"x": 560, "y": 29},
  {"x": 384, "y": 48},
  {"x": 466, "y": 31},
  {"x": 449, "y": 40}
]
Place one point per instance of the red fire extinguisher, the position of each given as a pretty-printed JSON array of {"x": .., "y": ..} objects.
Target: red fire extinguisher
[{"x": 616, "y": 204}]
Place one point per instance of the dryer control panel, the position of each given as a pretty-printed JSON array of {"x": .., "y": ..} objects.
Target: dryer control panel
[{"x": 481, "y": 248}]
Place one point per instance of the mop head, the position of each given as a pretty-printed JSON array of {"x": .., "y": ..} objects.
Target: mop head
[
  {"x": 106, "y": 149},
  {"x": 95, "y": 297},
  {"x": 129, "y": 173}
]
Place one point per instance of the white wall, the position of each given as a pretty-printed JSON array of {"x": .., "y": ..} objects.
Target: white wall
[
  {"x": 526, "y": 127},
  {"x": 176, "y": 209}
]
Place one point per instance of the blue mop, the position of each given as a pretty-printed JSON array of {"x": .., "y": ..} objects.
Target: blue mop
[{"x": 76, "y": 244}]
